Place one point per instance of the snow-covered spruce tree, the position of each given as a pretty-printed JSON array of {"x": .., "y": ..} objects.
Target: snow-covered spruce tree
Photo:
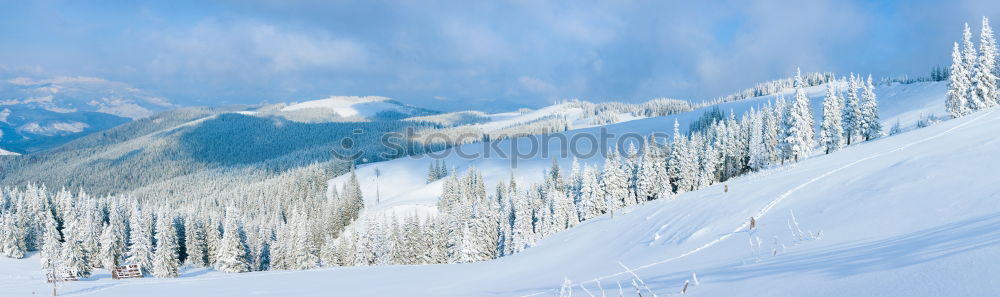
[
  {"x": 330, "y": 252},
  {"x": 631, "y": 167},
  {"x": 437, "y": 232},
  {"x": 231, "y": 253},
  {"x": 51, "y": 248},
  {"x": 650, "y": 178},
  {"x": 303, "y": 254},
  {"x": 970, "y": 59},
  {"x": 772, "y": 132},
  {"x": 589, "y": 187},
  {"x": 662, "y": 181},
  {"x": 213, "y": 240},
  {"x": 984, "y": 75},
  {"x": 74, "y": 256},
  {"x": 958, "y": 85},
  {"x": 798, "y": 141},
  {"x": 92, "y": 216},
  {"x": 11, "y": 237},
  {"x": 871, "y": 126},
  {"x": 674, "y": 159},
  {"x": 140, "y": 250},
  {"x": 614, "y": 181},
  {"x": 166, "y": 261},
  {"x": 522, "y": 233},
  {"x": 353, "y": 198},
  {"x": 755, "y": 146},
  {"x": 709, "y": 161},
  {"x": 852, "y": 112},
  {"x": 195, "y": 242},
  {"x": 113, "y": 239},
  {"x": 832, "y": 129}
]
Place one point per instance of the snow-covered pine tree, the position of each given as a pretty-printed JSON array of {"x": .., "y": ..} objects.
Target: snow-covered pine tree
[
  {"x": 231, "y": 253},
  {"x": 213, "y": 240},
  {"x": 677, "y": 147},
  {"x": 330, "y": 253},
  {"x": 431, "y": 173},
  {"x": 971, "y": 62},
  {"x": 798, "y": 141},
  {"x": 614, "y": 181},
  {"x": 708, "y": 161},
  {"x": 166, "y": 261},
  {"x": 437, "y": 235},
  {"x": 354, "y": 200},
  {"x": 631, "y": 168},
  {"x": 647, "y": 177},
  {"x": 852, "y": 112},
  {"x": 832, "y": 129},
  {"x": 195, "y": 242},
  {"x": 755, "y": 147},
  {"x": 51, "y": 248},
  {"x": 303, "y": 252},
  {"x": 140, "y": 250},
  {"x": 522, "y": 233},
  {"x": 92, "y": 216},
  {"x": 11, "y": 237},
  {"x": 984, "y": 75},
  {"x": 113, "y": 239},
  {"x": 74, "y": 256},
  {"x": 662, "y": 181},
  {"x": 871, "y": 126},
  {"x": 958, "y": 85}
]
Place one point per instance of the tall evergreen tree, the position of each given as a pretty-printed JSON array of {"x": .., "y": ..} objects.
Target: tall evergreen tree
[
  {"x": 51, "y": 248},
  {"x": 758, "y": 155},
  {"x": 958, "y": 86},
  {"x": 11, "y": 237},
  {"x": 970, "y": 59},
  {"x": 113, "y": 239},
  {"x": 614, "y": 181},
  {"x": 798, "y": 141},
  {"x": 166, "y": 260},
  {"x": 852, "y": 112},
  {"x": 984, "y": 75},
  {"x": 140, "y": 250},
  {"x": 74, "y": 256},
  {"x": 871, "y": 126},
  {"x": 195, "y": 242},
  {"x": 231, "y": 254},
  {"x": 832, "y": 129}
]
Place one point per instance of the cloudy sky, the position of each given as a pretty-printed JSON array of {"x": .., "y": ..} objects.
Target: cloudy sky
[{"x": 451, "y": 55}]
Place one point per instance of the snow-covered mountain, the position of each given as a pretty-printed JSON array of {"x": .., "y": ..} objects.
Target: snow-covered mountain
[
  {"x": 7, "y": 153},
  {"x": 25, "y": 129},
  {"x": 912, "y": 214},
  {"x": 347, "y": 108},
  {"x": 81, "y": 93},
  {"x": 39, "y": 113}
]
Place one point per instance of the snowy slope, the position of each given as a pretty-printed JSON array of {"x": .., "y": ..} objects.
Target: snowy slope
[
  {"x": 409, "y": 192},
  {"x": 7, "y": 153},
  {"x": 909, "y": 215}
]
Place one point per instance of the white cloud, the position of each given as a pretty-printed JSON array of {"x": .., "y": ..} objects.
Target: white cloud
[
  {"x": 535, "y": 85},
  {"x": 252, "y": 50}
]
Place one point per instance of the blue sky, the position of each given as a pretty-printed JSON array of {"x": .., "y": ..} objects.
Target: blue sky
[{"x": 450, "y": 55}]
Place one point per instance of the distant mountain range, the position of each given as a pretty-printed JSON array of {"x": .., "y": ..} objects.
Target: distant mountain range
[{"x": 42, "y": 113}]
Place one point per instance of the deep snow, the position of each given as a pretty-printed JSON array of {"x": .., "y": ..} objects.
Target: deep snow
[{"x": 914, "y": 214}]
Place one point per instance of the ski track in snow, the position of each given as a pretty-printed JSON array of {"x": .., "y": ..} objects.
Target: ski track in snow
[{"x": 774, "y": 203}]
